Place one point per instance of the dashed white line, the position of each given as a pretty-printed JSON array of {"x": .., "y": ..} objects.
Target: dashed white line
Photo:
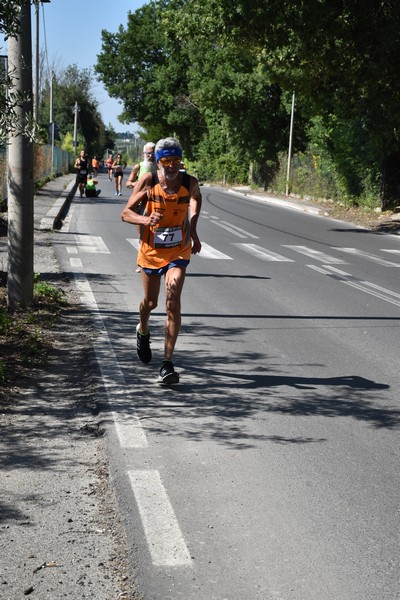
[
  {"x": 166, "y": 543},
  {"x": 127, "y": 424}
]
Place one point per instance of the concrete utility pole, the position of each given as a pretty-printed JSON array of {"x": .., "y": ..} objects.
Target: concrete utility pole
[
  {"x": 20, "y": 170},
  {"x": 36, "y": 86},
  {"x": 51, "y": 116}
]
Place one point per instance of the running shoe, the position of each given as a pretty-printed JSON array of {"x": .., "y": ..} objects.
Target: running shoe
[
  {"x": 168, "y": 375},
  {"x": 119, "y": 193},
  {"x": 143, "y": 345}
]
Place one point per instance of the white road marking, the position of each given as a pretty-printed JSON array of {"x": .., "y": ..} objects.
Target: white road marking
[
  {"x": 262, "y": 253},
  {"x": 210, "y": 252},
  {"x": 76, "y": 262},
  {"x": 319, "y": 269},
  {"x": 207, "y": 251},
  {"x": 165, "y": 540},
  {"x": 134, "y": 242},
  {"x": 166, "y": 543},
  {"x": 365, "y": 289},
  {"x": 230, "y": 228},
  {"x": 277, "y": 202},
  {"x": 368, "y": 256},
  {"x": 338, "y": 272},
  {"x": 128, "y": 427},
  {"x": 67, "y": 221},
  {"x": 321, "y": 256},
  {"x": 240, "y": 230},
  {"x": 92, "y": 244},
  {"x": 381, "y": 289},
  {"x": 363, "y": 286},
  {"x": 72, "y": 250},
  {"x": 390, "y": 251}
]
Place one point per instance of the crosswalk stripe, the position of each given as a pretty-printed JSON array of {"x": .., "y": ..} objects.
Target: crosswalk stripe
[
  {"x": 368, "y": 256},
  {"x": 91, "y": 244},
  {"x": 262, "y": 253},
  {"x": 210, "y": 252},
  {"x": 75, "y": 262},
  {"x": 239, "y": 233},
  {"x": 238, "y": 229},
  {"x": 207, "y": 251},
  {"x": 133, "y": 242},
  {"x": 321, "y": 256}
]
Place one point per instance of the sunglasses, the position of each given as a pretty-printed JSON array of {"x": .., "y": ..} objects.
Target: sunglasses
[{"x": 170, "y": 160}]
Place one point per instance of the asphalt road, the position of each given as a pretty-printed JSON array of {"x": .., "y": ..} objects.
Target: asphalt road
[{"x": 271, "y": 471}]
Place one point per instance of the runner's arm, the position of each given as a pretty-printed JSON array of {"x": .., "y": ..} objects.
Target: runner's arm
[
  {"x": 140, "y": 194},
  {"x": 195, "y": 208},
  {"x": 132, "y": 177}
]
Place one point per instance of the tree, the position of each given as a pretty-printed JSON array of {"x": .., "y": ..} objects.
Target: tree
[
  {"x": 342, "y": 58},
  {"x": 11, "y": 98},
  {"x": 70, "y": 86},
  {"x": 152, "y": 75}
]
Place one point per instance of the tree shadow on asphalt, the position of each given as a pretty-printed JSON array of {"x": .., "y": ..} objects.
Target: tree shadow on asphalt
[{"x": 220, "y": 399}]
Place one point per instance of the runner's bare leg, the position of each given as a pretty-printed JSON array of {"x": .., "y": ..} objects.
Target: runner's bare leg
[
  {"x": 151, "y": 288},
  {"x": 174, "y": 279}
]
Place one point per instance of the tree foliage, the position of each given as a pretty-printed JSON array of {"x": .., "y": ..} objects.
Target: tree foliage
[
  {"x": 10, "y": 27},
  {"x": 70, "y": 86},
  {"x": 221, "y": 75}
]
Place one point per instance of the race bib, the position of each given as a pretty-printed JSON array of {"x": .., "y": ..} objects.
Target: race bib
[{"x": 167, "y": 237}]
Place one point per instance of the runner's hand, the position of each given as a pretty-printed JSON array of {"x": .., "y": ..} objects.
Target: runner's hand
[{"x": 154, "y": 219}]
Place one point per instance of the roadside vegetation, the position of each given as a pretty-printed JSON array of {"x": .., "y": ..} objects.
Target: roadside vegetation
[{"x": 221, "y": 77}]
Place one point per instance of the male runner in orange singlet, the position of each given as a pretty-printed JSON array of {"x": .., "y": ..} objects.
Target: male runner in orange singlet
[{"x": 168, "y": 238}]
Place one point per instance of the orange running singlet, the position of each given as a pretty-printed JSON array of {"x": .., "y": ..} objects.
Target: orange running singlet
[{"x": 170, "y": 240}]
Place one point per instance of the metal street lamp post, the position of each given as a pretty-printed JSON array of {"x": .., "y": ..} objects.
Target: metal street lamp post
[
  {"x": 37, "y": 94},
  {"x": 290, "y": 146}
]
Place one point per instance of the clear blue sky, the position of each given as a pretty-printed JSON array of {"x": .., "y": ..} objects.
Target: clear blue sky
[
  {"x": 73, "y": 34},
  {"x": 72, "y": 30}
]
